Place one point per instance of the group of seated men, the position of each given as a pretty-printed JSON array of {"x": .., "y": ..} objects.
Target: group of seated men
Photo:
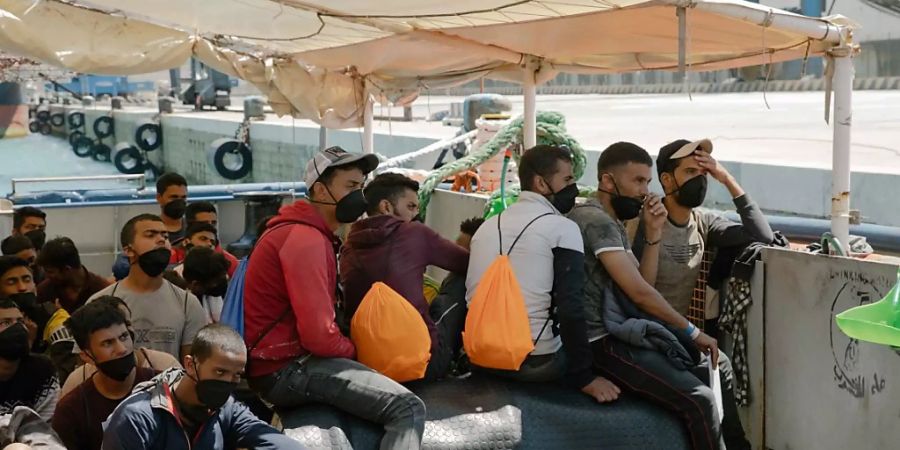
[{"x": 146, "y": 365}]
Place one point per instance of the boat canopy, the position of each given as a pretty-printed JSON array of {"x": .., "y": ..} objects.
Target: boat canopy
[
  {"x": 318, "y": 59},
  {"x": 329, "y": 60}
]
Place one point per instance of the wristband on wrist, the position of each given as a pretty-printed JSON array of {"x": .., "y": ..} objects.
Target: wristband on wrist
[{"x": 693, "y": 331}]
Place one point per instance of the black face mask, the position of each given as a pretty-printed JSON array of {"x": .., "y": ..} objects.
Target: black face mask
[
  {"x": 175, "y": 209},
  {"x": 218, "y": 290},
  {"x": 213, "y": 393},
  {"x": 37, "y": 238},
  {"x": 692, "y": 193},
  {"x": 626, "y": 208},
  {"x": 154, "y": 262},
  {"x": 14, "y": 342},
  {"x": 349, "y": 208},
  {"x": 24, "y": 300},
  {"x": 118, "y": 369},
  {"x": 27, "y": 302},
  {"x": 564, "y": 199}
]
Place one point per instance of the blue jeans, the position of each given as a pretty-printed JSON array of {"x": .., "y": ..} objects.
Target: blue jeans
[{"x": 355, "y": 389}]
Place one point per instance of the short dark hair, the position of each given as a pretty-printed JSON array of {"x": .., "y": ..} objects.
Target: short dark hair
[
  {"x": 200, "y": 227},
  {"x": 6, "y": 303},
  {"x": 8, "y": 262},
  {"x": 387, "y": 186},
  {"x": 26, "y": 211},
  {"x": 622, "y": 153},
  {"x": 203, "y": 264},
  {"x": 541, "y": 160},
  {"x": 15, "y": 244},
  {"x": 113, "y": 301},
  {"x": 128, "y": 231},
  {"x": 169, "y": 179},
  {"x": 92, "y": 317},
  {"x": 190, "y": 213},
  {"x": 216, "y": 335},
  {"x": 471, "y": 225},
  {"x": 59, "y": 253}
]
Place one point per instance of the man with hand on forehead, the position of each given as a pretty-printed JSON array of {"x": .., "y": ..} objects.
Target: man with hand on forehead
[{"x": 684, "y": 169}]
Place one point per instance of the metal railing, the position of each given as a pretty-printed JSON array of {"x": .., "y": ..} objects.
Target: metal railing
[{"x": 142, "y": 181}]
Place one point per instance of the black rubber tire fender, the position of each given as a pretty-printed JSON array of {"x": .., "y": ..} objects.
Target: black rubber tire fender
[
  {"x": 57, "y": 119},
  {"x": 151, "y": 172},
  {"x": 76, "y": 120},
  {"x": 74, "y": 137},
  {"x": 46, "y": 129},
  {"x": 34, "y": 126},
  {"x": 104, "y": 127},
  {"x": 144, "y": 136},
  {"x": 128, "y": 159},
  {"x": 83, "y": 147},
  {"x": 101, "y": 152},
  {"x": 222, "y": 154}
]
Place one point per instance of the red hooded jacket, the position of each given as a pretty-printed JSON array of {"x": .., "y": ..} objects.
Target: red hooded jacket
[
  {"x": 291, "y": 282},
  {"x": 385, "y": 248}
]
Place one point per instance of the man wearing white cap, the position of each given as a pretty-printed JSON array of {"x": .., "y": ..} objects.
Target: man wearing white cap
[
  {"x": 297, "y": 353},
  {"x": 684, "y": 168}
]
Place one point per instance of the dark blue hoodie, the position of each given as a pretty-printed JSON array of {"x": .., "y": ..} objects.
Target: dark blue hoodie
[{"x": 148, "y": 419}]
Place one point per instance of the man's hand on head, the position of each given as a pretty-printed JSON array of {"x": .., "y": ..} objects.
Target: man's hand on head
[{"x": 715, "y": 170}]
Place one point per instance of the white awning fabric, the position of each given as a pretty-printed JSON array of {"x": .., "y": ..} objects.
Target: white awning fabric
[{"x": 320, "y": 59}]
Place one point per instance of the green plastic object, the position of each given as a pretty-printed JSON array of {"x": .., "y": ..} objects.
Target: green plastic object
[
  {"x": 499, "y": 204},
  {"x": 878, "y": 322}
]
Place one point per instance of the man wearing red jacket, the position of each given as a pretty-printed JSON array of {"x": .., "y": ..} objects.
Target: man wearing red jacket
[{"x": 297, "y": 351}]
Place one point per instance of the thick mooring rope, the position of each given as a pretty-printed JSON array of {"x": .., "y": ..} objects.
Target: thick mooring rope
[{"x": 551, "y": 130}]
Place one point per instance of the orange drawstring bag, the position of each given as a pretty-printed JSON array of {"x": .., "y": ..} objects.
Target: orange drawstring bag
[
  {"x": 390, "y": 335},
  {"x": 498, "y": 333}
]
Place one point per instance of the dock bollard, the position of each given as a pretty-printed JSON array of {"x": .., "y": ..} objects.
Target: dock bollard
[{"x": 253, "y": 107}]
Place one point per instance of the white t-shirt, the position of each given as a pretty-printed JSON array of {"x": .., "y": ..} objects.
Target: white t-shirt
[
  {"x": 531, "y": 258},
  {"x": 163, "y": 320}
]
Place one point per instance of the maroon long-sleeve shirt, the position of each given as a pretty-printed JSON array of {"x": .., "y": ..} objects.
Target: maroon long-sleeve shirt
[{"x": 384, "y": 248}]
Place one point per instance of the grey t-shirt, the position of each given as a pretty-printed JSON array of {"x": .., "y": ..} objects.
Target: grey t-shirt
[
  {"x": 680, "y": 257},
  {"x": 682, "y": 247},
  {"x": 600, "y": 233},
  {"x": 163, "y": 320}
]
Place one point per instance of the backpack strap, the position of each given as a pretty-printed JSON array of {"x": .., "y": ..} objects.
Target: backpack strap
[
  {"x": 511, "y": 247},
  {"x": 521, "y": 233}
]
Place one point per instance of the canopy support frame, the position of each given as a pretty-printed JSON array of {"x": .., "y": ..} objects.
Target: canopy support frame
[
  {"x": 368, "y": 142},
  {"x": 529, "y": 91},
  {"x": 842, "y": 84}
]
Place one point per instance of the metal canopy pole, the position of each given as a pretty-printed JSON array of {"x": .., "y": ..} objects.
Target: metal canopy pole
[
  {"x": 368, "y": 136},
  {"x": 840, "y": 166},
  {"x": 529, "y": 90},
  {"x": 323, "y": 138}
]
